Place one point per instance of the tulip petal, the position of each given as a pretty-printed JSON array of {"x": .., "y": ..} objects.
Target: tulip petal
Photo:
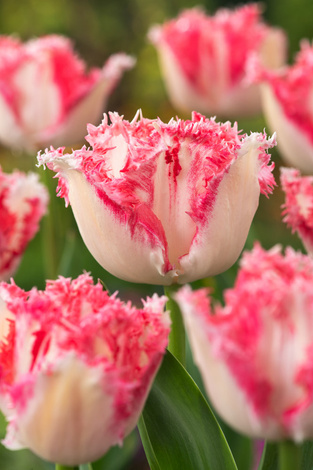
[
  {"x": 90, "y": 108},
  {"x": 234, "y": 101},
  {"x": 64, "y": 386},
  {"x": 298, "y": 206},
  {"x": 34, "y": 81},
  {"x": 295, "y": 145},
  {"x": 23, "y": 202},
  {"x": 287, "y": 105},
  {"x": 9, "y": 128},
  {"x": 139, "y": 256},
  {"x": 219, "y": 242}
]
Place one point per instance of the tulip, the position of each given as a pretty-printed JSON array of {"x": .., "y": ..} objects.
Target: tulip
[
  {"x": 23, "y": 202},
  {"x": 164, "y": 203},
  {"x": 255, "y": 353},
  {"x": 287, "y": 106},
  {"x": 76, "y": 367},
  {"x": 46, "y": 95},
  {"x": 298, "y": 206},
  {"x": 204, "y": 59}
]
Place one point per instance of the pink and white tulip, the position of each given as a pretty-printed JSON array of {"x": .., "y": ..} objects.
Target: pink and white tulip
[
  {"x": 204, "y": 59},
  {"x": 288, "y": 107},
  {"x": 46, "y": 95},
  {"x": 76, "y": 367},
  {"x": 164, "y": 203},
  {"x": 298, "y": 206},
  {"x": 255, "y": 353},
  {"x": 23, "y": 202}
]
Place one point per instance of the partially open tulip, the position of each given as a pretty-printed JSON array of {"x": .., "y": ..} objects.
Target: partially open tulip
[
  {"x": 298, "y": 206},
  {"x": 23, "y": 202},
  {"x": 163, "y": 203},
  {"x": 76, "y": 367},
  {"x": 204, "y": 59},
  {"x": 46, "y": 94},
  {"x": 288, "y": 107},
  {"x": 255, "y": 353}
]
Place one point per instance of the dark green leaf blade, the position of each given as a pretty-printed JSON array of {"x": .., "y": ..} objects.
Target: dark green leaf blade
[
  {"x": 178, "y": 429},
  {"x": 307, "y": 456},
  {"x": 269, "y": 460}
]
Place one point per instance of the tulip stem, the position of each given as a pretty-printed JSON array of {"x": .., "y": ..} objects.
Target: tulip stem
[
  {"x": 290, "y": 455},
  {"x": 64, "y": 467},
  {"x": 85, "y": 466},
  {"x": 177, "y": 338},
  {"x": 49, "y": 245}
]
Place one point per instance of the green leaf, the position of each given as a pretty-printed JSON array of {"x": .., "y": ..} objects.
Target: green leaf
[
  {"x": 270, "y": 456},
  {"x": 177, "y": 428},
  {"x": 269, "y": 460},
  {"x": 307, "y": 456},
  {"x": 241, "y": 447}
]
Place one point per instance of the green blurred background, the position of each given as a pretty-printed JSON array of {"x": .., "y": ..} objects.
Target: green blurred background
[{"x": 99, "y": 28}]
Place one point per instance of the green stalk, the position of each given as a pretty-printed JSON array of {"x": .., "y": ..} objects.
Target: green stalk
[
  {"x": 177, "y": 338},
  {"x": 84, "y": 466},
  {"x": 48, "y": 238},
  {"x": 290, "y": 455},
  {"x": 64, "y": 467},
  {"x": 68, "y": 254}
]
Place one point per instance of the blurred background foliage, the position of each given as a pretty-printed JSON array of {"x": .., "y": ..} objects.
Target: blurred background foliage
[{"x": 99, "y": 28}]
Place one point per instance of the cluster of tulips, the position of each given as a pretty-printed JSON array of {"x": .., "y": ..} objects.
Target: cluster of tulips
[{"x": 163, "y": 204}]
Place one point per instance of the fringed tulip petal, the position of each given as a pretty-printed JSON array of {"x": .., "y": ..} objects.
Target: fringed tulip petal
[
  {"x": 229, "y": 223},
  {"x": 298, "y": 206},
  {"x": 132, "y": 255},
  {"x": 150, "y": 198},
  {"x": 257, "y": 349},
  {"x": 76, "y": 367},
  {"x": 204, "y": 59}
]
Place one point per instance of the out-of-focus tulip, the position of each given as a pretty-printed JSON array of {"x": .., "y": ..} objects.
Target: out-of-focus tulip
[
  {"x": 46, "y": 95},
  {"x": 163, "y": 203},
  {"x": 288, "y": 107},
  {"x": 23, "y": 202},
  {"x": 255, "y": 353},
  {"x": 76, "y": 367},
  {"x": 298, "y": 206},
  {"x": 204, "y": 59}
]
